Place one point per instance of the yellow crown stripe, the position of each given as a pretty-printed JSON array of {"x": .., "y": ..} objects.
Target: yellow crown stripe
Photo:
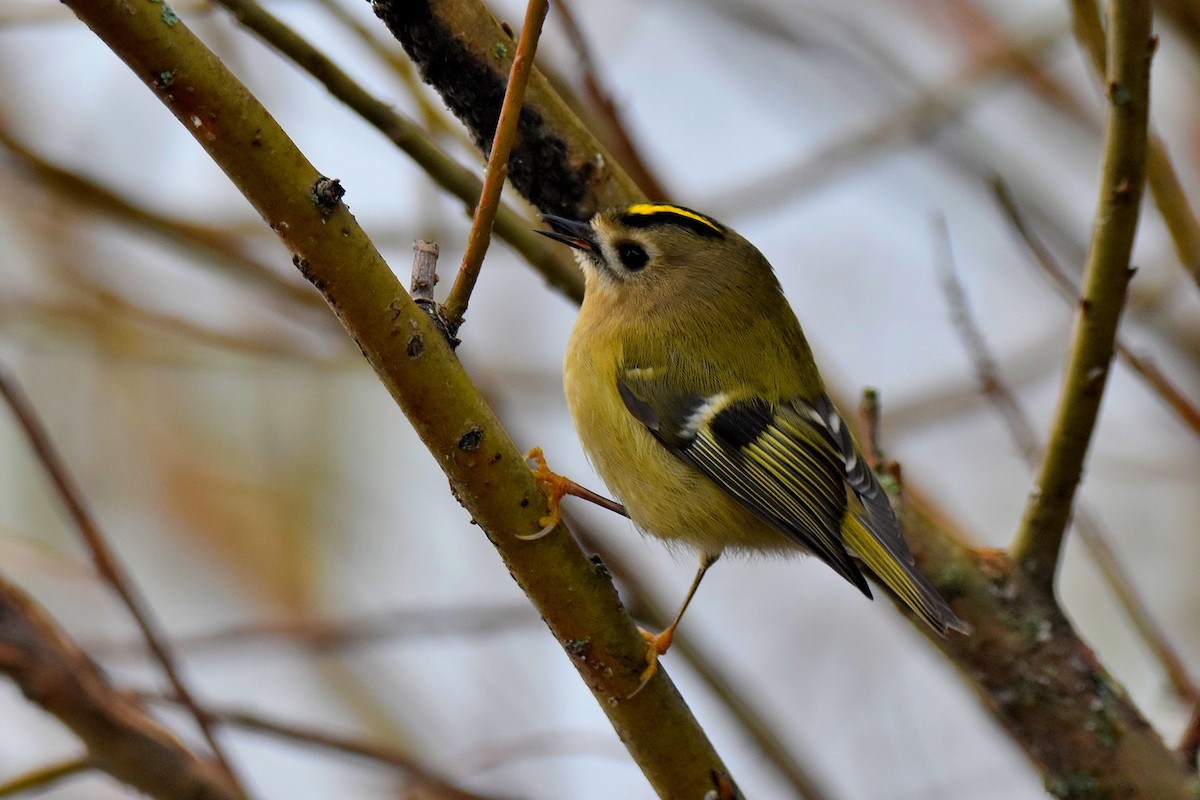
[{"x": 647, "y": 209}]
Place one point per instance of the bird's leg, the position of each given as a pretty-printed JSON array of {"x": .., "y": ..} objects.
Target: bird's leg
[
  {"x": 661, "y": 642},
  {"x": 558, "y": 486}
]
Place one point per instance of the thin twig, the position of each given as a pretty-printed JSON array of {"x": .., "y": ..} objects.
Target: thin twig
[
  {"x": 220, "y": 250},
  {"x": 1161, "y": 177},
  {"x": 497, "y": 166},
  {"x": 108, "y": 565},
  {"x": 1039, "y": 541},
  {"x": 43, "y": 777},
  {"x": 558, "y": 270},
  {"x": 1024, "y": 436},
  {"x": 929, "y": 110},
  {"x": 602, "y": 99},
  {"x": 1158, "y": 383},
  {"x": 328, "y": 635},
  {"x": 376, "y": 752}
]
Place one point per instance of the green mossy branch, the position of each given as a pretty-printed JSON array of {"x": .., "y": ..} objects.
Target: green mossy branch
[{"x": 487, "y": 473}]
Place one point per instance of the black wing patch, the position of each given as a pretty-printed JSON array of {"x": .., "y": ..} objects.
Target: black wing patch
[{"x": 781, "y": 464}]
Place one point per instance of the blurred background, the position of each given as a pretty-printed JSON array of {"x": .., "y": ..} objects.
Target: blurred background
[{"x": 301, "y": 546}]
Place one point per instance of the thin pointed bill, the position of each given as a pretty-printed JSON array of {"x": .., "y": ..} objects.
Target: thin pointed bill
[{"x": 571, "y": 233}]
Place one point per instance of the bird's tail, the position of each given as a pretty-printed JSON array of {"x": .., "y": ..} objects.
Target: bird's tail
[{"x": 897, "y": 572}]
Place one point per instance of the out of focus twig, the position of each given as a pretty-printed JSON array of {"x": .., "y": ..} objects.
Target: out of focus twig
[
  {"x": 330, "y": 635},
  {"x": 1154, "y": 378},
  {"x": 416, "y": 773},
  {"x": 1189, "y": 744},
  {"x": 107, "y": 564},
  {"x": 627, "y": 151},
  {"x": 221, "y": 250},
  {"x": 43, "y": 777}
]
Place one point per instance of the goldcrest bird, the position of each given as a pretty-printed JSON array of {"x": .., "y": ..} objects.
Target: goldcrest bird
[{"x": 698, "y": 402}]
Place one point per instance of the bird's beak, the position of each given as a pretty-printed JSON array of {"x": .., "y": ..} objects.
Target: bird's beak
[{"x": 571, "y": 232}]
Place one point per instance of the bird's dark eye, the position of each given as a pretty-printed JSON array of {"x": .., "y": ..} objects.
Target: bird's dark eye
[{"x": 633, "y": 256}]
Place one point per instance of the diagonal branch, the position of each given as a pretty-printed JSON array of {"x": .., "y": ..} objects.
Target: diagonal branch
[
  {"x": 486, "y": 471},
  {"x": 1039, "y": 540},
  {"x": 122, "y": 739}
]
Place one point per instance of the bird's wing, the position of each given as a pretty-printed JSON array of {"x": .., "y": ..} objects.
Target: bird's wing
[{"x": 790, "y": 463}]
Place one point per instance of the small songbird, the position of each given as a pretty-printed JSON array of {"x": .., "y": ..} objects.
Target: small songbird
[{"x": 698, "y": 401}]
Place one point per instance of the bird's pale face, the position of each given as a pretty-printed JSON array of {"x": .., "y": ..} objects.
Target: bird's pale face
[{"x": 655, "y": 255}]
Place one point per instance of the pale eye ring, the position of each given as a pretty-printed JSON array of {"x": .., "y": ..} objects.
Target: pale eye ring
[{"x": 633, "y": 256}]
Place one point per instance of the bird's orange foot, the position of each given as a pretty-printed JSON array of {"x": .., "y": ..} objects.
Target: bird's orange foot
[
  {"x": 556, "y": 487},
  {"x": 659, "y": 644}
]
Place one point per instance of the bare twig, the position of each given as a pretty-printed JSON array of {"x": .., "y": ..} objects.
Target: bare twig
[
  {"x": 121, "y": 738},
  {"x": 44, "y": 777},
  {"x": 629, "y": 153},
  {"x": 220, "y": 250},
  {"x": 1038, "y": 543},
  {"x": 1021, "y": 430},
  {"x": 1161, "y": 177},
  {"x": 559, "y": 270},
  {"x": 108, "y": 566},
  {"x": 327, "y": 635},
  {"x": 497, "y": 166},
  {"x": 416, "y": 773},
  {"x": 1158, "y": 383}
]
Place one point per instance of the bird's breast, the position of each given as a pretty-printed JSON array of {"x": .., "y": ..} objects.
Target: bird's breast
[{"x": 665, "y": 496}]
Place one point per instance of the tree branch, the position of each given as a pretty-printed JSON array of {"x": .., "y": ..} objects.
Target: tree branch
[
  {"x": 486, "y": 471},
  {"x": 121, "y": 738},
  {"x": 1039, "y": 541}
]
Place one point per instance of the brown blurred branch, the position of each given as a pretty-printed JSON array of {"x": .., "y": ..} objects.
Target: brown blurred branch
[
  {"x": 121, "y": 738},
  {"x": 329, "y": 635},
  {"x": 222, "y": 251},
  {"x": 107, "y": 564},
  {"x": 1039, "y": 541},
  {"x": 1189, "y": 743},
  {"x": 629, "y": 153},
  {"x": 416, "y": 774}
]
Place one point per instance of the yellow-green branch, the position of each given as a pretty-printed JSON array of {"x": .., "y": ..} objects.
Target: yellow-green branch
[{"x": 1039, "y": 541}]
